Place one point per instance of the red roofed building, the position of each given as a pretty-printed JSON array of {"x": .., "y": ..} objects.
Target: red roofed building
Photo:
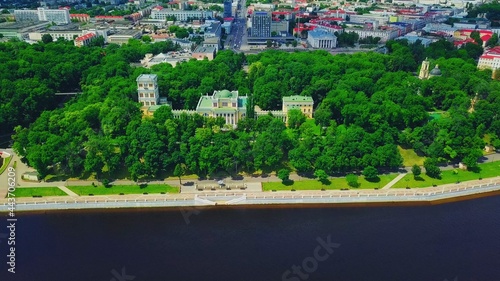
[
  {"x": 490, "y": 59},
  {"x": 109, "y": 18},
  {"x": 80, "y": 17},
  {"x": 464, "y": 34},
  {"x": 84, "y": 40}
]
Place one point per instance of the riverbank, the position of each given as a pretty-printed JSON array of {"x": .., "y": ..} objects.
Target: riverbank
[{"x": 421, "y": 196}]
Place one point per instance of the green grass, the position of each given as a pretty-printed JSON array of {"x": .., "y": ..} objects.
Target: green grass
[
  {"x": 410, "y": 158},
  {"x": 125, "y": 189},
  {"x": 335, "y": 183},
  {"x": 38, "y": 191},
  {"x": 488, "y": 170},
  {"x": 5, "y": 164}
]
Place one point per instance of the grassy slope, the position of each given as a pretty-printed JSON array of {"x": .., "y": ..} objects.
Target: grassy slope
[
  {"x": 335, "y": 183},
  {"x": 125, "y": 189},
  {"x": 410, "y": 158},
  {"x": 488, "y": 170},
  {"x": 39, "y": 191}
]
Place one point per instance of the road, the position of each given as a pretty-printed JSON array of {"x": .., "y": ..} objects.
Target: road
[{"x": 237, "y": 36}]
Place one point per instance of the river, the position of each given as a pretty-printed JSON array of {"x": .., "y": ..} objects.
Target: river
[{"x": 455, "y": 241}]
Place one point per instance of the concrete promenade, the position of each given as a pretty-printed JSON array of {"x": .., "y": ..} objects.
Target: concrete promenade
[{"x": 225, "y": 198}]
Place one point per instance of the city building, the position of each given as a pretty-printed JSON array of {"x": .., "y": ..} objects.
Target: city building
[
  {"x": 172, "y": 58},
  {"x": 490, "y": 59},
  {"x": 122, "y": 36},
  {"x": 228, "y": 6},
  {"x": 59, "y": 16},
  {"x": 279, "y": 27},
  {"x": 385, "y": 34},
  {"x": 147, "y": 90},
  {"x": 55, "y": 34},
  {"x": 80, "y": 17},
  {"x": 261, "y": 24},
  {"x": 180, "y": 15},
  {"x": 412, "y": 38},
  {"x": 212, "y": 29},
  {"x": 84, "y": 40},
  {"x": 321, "y": 39},
  {"x": 425, "y": 73},
  {"x": 212, "y": 42},
  {"x": 201, "y": 52},
  {"x": 20, "y": 30}
]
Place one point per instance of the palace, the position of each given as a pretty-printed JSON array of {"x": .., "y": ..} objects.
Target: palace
[{"x": 226, "y": 104}]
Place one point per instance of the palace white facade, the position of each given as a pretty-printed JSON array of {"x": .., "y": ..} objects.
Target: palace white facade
[
  {"x": 180, "y": 15},
  {"x": 321, "y": 39}
]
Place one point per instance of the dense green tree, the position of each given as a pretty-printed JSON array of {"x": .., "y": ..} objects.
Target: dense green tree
[
  {"x": 370, "y": 173},
  {"x": 295, "y": 118},
  {"x": 352, "y": 180},
  {"x": 416, "y": 170},
  {"x": 47, "y": 38},
  {"x": 431, "y": 168},
  {"x": 321, "y": 175},
  {"x": 284, "y": 175}
]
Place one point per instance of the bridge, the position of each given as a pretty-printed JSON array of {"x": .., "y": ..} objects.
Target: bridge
[{"x": 68, "y": 94}]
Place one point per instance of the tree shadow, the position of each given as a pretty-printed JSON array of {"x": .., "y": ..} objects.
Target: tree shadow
[
  {"x": 475, "y": 170},
  {"x": 143, "y": 185},
  {"x": 189, "y": 183},
  {"x": 237, "y": 177},
  {"x": 325, "y": 182},
  {"x": 354, "y": 184},
  {"x": 308, "y": 175},
  {"x": 58, "y": 178},
  {"x": 288, "y": 182},
  {"x": 373, "y": 180},
  {"x": 418, "y": 178}
]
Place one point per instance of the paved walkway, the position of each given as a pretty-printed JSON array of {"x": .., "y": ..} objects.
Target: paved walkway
[
  {"x": 394, "y": 181},
  {"x": 67, "y": 191},
  {"x": 281, "y": 197}
]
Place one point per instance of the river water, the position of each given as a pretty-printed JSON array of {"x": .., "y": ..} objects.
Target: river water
[{"x": 455, "y": 241}]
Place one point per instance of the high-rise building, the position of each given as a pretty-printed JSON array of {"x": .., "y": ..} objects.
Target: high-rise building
[
  {"x": 147, "y": 89},
  {"x": 261, "y": 24},
  {"x": 228, "y": 6},
  {"x": 59, "y": 16}
]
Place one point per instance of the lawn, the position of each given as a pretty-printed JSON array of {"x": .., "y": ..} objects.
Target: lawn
[
  {"x": 410, "y": 158},
  {"x": 335, "y": 183},
  {"x": 4, "y": 163},
  {"x": 125, "y": 189},
  {"x": 38, "y": 191},
  {"x": 488, "y": 170}
]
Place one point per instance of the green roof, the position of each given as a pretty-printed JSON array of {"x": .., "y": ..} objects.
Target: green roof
[
  {"x": 225, "y": 94},
  {"x": 297, "y": 99},
  {"x": 205, "y": 102}
]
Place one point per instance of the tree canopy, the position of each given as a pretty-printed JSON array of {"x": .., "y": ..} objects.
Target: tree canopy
[{"x": 366, "y": 104}]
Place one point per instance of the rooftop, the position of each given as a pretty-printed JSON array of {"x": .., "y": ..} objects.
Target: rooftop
[
  {"x": 146, "y": 77},
  {"x": 85, "y": 37},
  {"x": 320, "y": 33},
  {"x": 297, "y": 98},
  {"x": 203, "y": 49}
]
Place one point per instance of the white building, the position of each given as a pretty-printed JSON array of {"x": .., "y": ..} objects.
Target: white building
[
  {"x": 384, "y": 35},
  {"x": 68, "y": 35},
  {"x": 490, "y": 59},
  {"x": 321, "y": 39},
  {"x": 180, "y": 15},
  {"x": 147, "y": 89},
  {"x": 59, "y": 16}
]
